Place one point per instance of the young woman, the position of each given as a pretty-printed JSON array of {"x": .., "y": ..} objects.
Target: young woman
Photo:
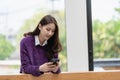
[{"x": 37, "y": 48}]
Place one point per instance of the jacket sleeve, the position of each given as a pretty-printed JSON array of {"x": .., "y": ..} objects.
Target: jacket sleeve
[{"x": 26, "y": 66}]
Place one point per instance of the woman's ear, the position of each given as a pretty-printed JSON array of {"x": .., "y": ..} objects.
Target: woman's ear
[{"x": 39, "y": 26}]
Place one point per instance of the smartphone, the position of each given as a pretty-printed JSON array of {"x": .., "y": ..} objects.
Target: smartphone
[{"x": 54, "y": 60}]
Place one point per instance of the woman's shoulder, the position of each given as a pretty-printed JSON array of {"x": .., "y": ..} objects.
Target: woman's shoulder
[{"x": 27, "y": 39}]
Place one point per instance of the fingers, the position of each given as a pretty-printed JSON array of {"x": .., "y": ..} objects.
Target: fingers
[
  {"x": 47, "y": 67},
  {"x": 49, "y": 63}
]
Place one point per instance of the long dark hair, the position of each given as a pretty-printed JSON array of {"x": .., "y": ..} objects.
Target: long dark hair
[{"x": 53, "y": 46}]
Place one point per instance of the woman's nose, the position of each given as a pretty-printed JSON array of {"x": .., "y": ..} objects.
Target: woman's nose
[{"x": 50, "y": 33}]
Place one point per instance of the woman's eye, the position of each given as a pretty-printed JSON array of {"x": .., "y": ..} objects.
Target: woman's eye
[{"x": 48, "y": 29}]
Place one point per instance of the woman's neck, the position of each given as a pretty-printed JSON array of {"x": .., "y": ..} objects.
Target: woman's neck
[{"x": 41, "y": 39}]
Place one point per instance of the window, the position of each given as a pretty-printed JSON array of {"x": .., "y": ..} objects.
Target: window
[{"x": 106, "y": 33}]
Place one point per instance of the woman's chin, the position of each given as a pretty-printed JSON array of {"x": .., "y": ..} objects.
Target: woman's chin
[{"x": 47, "y": 38}]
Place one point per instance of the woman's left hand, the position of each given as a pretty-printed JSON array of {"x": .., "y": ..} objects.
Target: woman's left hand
[{"x": 55, "y": 68}]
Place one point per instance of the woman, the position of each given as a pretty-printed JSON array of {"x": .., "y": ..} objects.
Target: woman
[{"x": 37, "y": 48}]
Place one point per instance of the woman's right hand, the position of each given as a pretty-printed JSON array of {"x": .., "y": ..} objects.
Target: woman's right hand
[{"x": 47, "y": 67}]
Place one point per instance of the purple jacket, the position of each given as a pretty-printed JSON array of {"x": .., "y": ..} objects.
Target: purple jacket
[{"x": 32, "y": 56}]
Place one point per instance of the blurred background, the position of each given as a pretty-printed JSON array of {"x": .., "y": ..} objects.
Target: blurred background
[{"x": 106, "y": 33}]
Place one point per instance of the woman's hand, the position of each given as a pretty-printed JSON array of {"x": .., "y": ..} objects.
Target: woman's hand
[
  {"x": 56, "y": 67},
  {"x": 48, "y": 67}
]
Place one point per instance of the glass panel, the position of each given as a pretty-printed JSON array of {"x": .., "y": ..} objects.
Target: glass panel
[
  {"x": 20, "y": 16},
  {"x": 106, "y": 34}
]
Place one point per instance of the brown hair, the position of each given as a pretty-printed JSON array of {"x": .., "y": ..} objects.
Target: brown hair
[{"x": 54, "y": 46}]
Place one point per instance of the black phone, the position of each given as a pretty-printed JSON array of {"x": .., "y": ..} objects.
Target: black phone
[{"x": 54, "y": 60}]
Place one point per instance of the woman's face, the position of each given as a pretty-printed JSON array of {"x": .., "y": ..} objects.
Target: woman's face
[{"x": 47, "y": 31}]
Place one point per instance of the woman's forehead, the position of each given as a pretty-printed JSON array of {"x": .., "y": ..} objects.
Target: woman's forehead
[{"x": 50, "y": 25}]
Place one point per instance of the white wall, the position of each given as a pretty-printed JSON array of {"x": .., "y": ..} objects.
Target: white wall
[{"x": 76, "y": 27}]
